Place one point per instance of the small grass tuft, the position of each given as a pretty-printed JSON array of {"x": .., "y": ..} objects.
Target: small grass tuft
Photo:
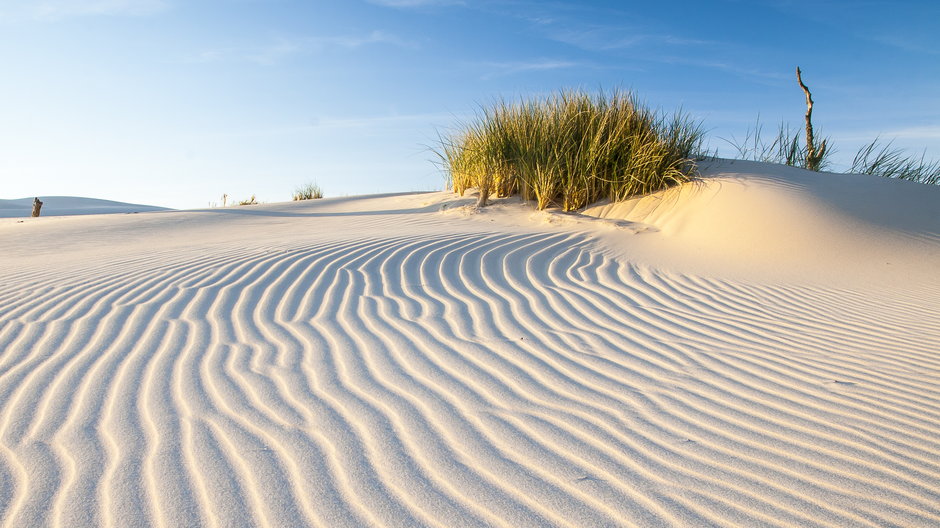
[
  {"x": 571, "y": 149},
  {"x": 249, "y": 201},
  {"x": 880, "y": 159},
  {"x": 308, "y": 191}
]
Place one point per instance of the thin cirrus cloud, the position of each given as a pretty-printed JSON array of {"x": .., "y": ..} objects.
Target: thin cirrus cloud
[
  {"x": 907, "y": 42},
  {"x": 51, "y": 10},
  {"x": 663, "y": 48},
  {"x": 917, "y": 132},
  {"x": 382, "y": 123},
  {"x": 283, "y": 47},
  {"x": 500, "y": 69},
  {"x": 415, "y": 3},
  {"x": 607, "y": 39},
  {"x": 728, "y": 66}
]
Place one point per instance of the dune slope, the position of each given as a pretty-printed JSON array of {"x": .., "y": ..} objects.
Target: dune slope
[
  {"x": 408, "y": 360},
  {"x": 70, "y": 205}
]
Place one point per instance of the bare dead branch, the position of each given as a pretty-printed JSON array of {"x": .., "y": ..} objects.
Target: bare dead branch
[{"x": 814, "y": 153}]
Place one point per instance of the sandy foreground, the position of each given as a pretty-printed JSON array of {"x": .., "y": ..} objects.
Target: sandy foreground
[{"x": 760, "y": 348}]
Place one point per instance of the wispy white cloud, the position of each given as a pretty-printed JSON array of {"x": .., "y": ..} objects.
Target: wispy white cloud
[
  {"x": 898, "y": 136},
  {"x": 51, "y": 10},
  {"x": 613, "y": 38},
  {"x": 205, "y": 56},
  {"x": 272, "y": 53},
  {"x": 613, "y": 32},
  {"x": 384, "y": 123},
  {"x": 358, "y": 41},
  {"x": 283, "y": 47},
  {"x": 917, "y": 132},
  {"x": 498, "y": 69},
  {"x": 736, "y": 68},
  {"x": 907, "y": 26},
  {"x": 416, "y": 3},
  {"x": 908, "y": 42}
]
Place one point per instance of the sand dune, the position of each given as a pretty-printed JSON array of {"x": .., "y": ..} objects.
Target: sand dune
[
  {"x": 409, "y": 360},
  {"x": 70, "y": 205}
]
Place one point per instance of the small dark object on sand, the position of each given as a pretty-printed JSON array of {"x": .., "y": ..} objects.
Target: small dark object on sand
[{"x": 37, "y": 205}]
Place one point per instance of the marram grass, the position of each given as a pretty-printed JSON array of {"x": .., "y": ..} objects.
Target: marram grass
[
  {"x": 571, "y": 149},
  {"x": 307, "y": 191},
  {"x": 785, "y": 148},
  {"x": 882, "y": 160}
]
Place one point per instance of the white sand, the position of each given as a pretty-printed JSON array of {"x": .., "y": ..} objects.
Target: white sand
[{"x": 759, "y": 349}]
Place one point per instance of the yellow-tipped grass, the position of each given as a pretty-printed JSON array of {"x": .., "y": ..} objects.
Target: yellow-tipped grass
[
  {"x": 307, "y": 191},
  {"x": 571, "y": 149}
]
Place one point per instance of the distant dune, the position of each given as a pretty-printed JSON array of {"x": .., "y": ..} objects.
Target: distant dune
[
  {"x": 70, "y": 205},
  {"x": 757, "y": 348}
]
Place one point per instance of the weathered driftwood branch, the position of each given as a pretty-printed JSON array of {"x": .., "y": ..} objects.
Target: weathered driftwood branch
[
  {"x": 37, "y": 205},
  {"x": 814, "y": 153}
]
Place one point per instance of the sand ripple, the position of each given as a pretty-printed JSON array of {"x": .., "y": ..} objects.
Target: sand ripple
[{"x": 491, "y": 378}]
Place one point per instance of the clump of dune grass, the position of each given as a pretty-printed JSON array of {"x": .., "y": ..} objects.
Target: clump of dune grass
[
  {"x": 878, "y": 157},
  {"x": 308, "y": 191},
  {"x": 784, "y": 148},
  {"x": 571, "y": 149},
  {"x": 250, "y": 201},
  {"x": 881, "y": 159}
]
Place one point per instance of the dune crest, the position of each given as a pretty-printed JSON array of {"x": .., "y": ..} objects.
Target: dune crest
[
  {"x": 771, "y": 221},
  {"x": 71, "y": 206}
]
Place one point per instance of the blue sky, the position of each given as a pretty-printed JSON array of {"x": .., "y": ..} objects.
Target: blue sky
[{"x": 175, "y": 103}]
